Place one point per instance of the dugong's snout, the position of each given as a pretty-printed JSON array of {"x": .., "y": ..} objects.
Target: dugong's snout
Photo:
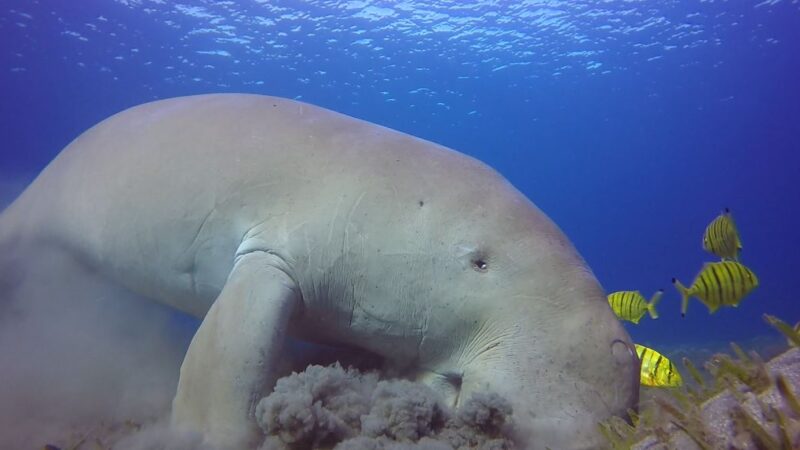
[
  {"x": 563, "y": 376},
  {"x": 574, "y": 423}
]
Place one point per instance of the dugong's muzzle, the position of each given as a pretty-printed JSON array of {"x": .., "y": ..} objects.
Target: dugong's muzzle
[{"x": 563, "y": 375}]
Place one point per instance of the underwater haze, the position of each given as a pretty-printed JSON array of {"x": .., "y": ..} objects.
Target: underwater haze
[{"x": 632, "y": 124}]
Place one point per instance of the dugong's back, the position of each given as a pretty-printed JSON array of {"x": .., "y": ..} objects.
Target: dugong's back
[{"x": 126, "y": 191}]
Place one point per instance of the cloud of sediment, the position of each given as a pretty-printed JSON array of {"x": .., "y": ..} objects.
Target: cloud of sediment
[
  {"x": 344, "y": 409},
  {"x": 76, "y": 354}
]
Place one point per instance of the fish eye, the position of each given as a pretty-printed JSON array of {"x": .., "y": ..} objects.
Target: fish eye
[{"x": 480, "y": 265}]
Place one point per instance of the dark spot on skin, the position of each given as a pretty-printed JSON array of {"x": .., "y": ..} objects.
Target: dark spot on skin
[{"x": 480, "y": 265}]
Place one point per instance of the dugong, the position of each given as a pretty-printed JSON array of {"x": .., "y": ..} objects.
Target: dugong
[{"x": 267, "y": 217}]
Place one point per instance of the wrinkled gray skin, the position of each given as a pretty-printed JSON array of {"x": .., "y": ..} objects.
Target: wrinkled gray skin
[{"x": 269, "y": 217}]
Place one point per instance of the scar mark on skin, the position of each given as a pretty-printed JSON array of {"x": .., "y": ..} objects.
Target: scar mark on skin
[
  {"x": 333, "y": 221},
  {"x": 346, "y": 240}
]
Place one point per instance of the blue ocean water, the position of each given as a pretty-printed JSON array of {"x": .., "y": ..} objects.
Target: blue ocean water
[{"x": 630, "y": 123}]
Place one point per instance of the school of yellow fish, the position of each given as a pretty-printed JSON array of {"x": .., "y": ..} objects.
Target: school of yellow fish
[{"x": 721, "y": 283}]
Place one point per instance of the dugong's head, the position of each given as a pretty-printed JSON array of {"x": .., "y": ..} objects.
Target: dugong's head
[{"x": 518, "y": 312}]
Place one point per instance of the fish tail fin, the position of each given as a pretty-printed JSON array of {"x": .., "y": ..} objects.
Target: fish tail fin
[
  {"x": 684, "y": 295},
  {"x": 651, "y": 306}
]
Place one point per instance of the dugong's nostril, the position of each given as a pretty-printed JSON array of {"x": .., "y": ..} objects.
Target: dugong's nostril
[{"x": 623, "y": 352}]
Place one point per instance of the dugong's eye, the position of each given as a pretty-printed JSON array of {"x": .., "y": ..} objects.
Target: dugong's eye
[{"x": 480, "y": 265}]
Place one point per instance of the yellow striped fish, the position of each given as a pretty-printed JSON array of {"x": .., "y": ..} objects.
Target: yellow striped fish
[
  {"x": 721, "y": 237},
  {"x": 723, "y": 283},
  {"x": 631, "y": 305},
  {"x": 657, "y": 370}
]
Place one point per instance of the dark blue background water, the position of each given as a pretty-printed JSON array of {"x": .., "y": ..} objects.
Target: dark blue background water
[{"x": 631, "y": 123}]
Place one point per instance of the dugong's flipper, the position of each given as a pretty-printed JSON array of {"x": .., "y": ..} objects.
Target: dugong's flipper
[{"x": 226, "y": 370}]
